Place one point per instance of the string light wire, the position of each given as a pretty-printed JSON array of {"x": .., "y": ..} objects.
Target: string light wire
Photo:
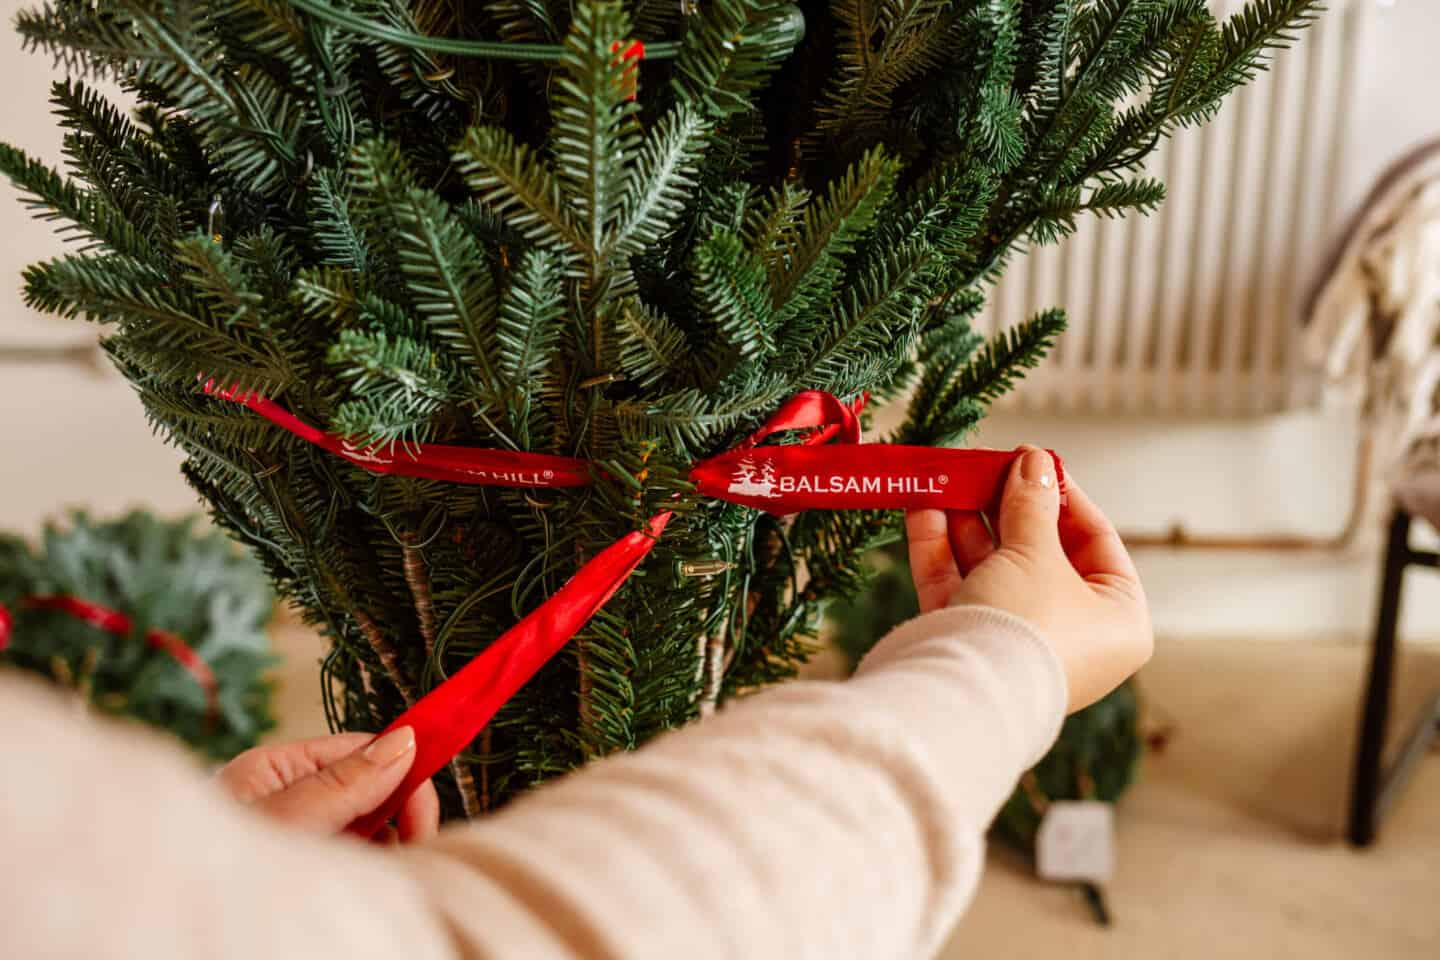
[{"x": 479, "y": 49}]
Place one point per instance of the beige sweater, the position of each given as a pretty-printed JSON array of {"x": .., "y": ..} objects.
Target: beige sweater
[{"x": 815, "y": 820}]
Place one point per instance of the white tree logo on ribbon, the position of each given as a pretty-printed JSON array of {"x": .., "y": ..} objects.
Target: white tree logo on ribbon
[{"x": 753, "y": 481}]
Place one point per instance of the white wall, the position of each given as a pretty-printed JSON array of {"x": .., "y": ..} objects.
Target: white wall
[
  {"x": 78, "y": 438},
  {"x": 70, "y": 436},
  {"x": 1288, "y": 474}
]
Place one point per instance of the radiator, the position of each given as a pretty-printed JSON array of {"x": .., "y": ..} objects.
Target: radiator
[{"x": 1195, "y": 309}]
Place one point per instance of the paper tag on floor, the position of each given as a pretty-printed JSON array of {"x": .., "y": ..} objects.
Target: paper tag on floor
[{"x": 1076, "y": 841}]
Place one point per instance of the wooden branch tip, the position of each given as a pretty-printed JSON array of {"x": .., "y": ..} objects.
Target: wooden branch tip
[
  {"x": 389, "y": 659},
  {"x": 418, "y": 579}
]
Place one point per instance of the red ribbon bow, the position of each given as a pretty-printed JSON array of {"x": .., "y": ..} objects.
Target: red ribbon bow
[
  {"x": 113, "y": 621},
  {"x": 843, "y": 475}
]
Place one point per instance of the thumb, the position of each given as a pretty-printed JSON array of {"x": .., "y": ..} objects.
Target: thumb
[
  {"x": 331, "y": 797},
  {"x": 1030, "y": 505}
]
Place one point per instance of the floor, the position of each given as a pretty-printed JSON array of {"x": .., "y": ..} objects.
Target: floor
[{"x": 1229, "y": 845}]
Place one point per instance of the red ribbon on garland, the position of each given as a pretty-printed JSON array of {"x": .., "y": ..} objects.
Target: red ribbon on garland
[
  {"x": 814, "y": 474},
  {"x": 113, "y": 621}
]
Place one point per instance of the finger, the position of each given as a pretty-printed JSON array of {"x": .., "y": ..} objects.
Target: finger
[
  {"x": 970, "y": 539},
  {"x": 1030, "y": 504},
  {"x": 265, "y": 770},
  {"x": 1090, "y": 540},
  {"x": 419, "y": 819},
  {"x": 352, "y": 786},
  {"x": 932, "y": 564}
]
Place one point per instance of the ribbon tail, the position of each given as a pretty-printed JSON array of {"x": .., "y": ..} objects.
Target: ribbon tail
[{"x": 448, "y": 718}]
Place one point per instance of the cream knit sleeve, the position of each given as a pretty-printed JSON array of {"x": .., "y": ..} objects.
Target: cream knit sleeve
[{"x": 814, "y": 820}]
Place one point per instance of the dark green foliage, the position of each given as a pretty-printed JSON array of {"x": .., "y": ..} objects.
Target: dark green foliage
[
  {"x": 390, "y": 380},
  {"x": 957, "y": 385},
  {"x": 163, "y": 576},
  {"x": 632, "y": 262}
]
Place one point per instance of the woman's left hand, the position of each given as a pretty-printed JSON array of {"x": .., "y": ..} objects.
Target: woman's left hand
[{"x": 325, "y": 783}]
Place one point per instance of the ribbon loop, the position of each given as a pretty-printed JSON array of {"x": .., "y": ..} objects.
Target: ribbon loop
[{"x": 812, "y": 408}]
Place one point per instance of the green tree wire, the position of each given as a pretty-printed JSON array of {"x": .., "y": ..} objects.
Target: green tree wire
[{"x": 512, "y": 51}]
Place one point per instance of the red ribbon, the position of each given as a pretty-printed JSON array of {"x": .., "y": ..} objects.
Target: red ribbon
[
  {"x": 436, "y": 461},
  {"x": 113, "y": 621},
  {"x": 631, "y": 56},
  {"x": 781, "y": 480},
  {"x": 447, "y": 718}
]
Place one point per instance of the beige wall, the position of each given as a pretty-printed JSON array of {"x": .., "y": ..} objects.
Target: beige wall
[
  {"x": 74, "y": 437},
  {"x": 1285, "y": 474}
]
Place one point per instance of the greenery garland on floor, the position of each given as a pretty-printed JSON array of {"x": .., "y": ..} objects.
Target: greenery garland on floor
[{"x": 173, "y": 586}]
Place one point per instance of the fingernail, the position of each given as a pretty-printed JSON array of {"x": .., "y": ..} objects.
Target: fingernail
[
  {"x": 1037, "y": 467},
  {"x": 391, "y": 747}
]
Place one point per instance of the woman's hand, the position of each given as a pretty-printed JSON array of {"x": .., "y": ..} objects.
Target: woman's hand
[
  {"x": 1069, "y": 576},
  {"x": 325, "y": 783}
]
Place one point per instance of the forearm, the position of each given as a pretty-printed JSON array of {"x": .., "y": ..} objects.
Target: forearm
[
  {"x": 114, "y": 848},
  {"x": 813, "y": 820}
]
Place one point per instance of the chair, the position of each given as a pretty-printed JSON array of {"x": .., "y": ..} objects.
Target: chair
[
  {"x": 1373, "y": 329},
  {"x": 1375, "y": 787}
]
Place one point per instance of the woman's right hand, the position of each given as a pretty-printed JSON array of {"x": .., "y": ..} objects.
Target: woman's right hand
[{"x": 1068, "y": 575}]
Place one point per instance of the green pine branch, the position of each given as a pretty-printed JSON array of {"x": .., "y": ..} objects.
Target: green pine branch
[
  {"x": 876, "y": 316},
  {"x": 984, "y": 377},
  {"x": 809, "y": 265},
  {"x": 55, "y": 198},
  {"x": 689, "y": 418},
  {"x": 595, "y": 138},
  {"x": 650, "y": 346},
  {"x": 519, "y": 187},
  {"x": 732, "y": 295},
  {"x": 446, "y": 279},
  {"x": 396, "y": 388},
  {"x": 659, "y": 180},
  {"x": 730, "y": 49},
  {"x": 527, "y": 336},
  {"x": 773, "y": 225}
]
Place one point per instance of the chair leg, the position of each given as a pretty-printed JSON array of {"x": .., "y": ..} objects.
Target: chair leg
[{"x": 1370, "y": 749}]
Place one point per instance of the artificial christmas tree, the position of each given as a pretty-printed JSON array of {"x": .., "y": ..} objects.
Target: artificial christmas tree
[{"x": 620, "y": 235}]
